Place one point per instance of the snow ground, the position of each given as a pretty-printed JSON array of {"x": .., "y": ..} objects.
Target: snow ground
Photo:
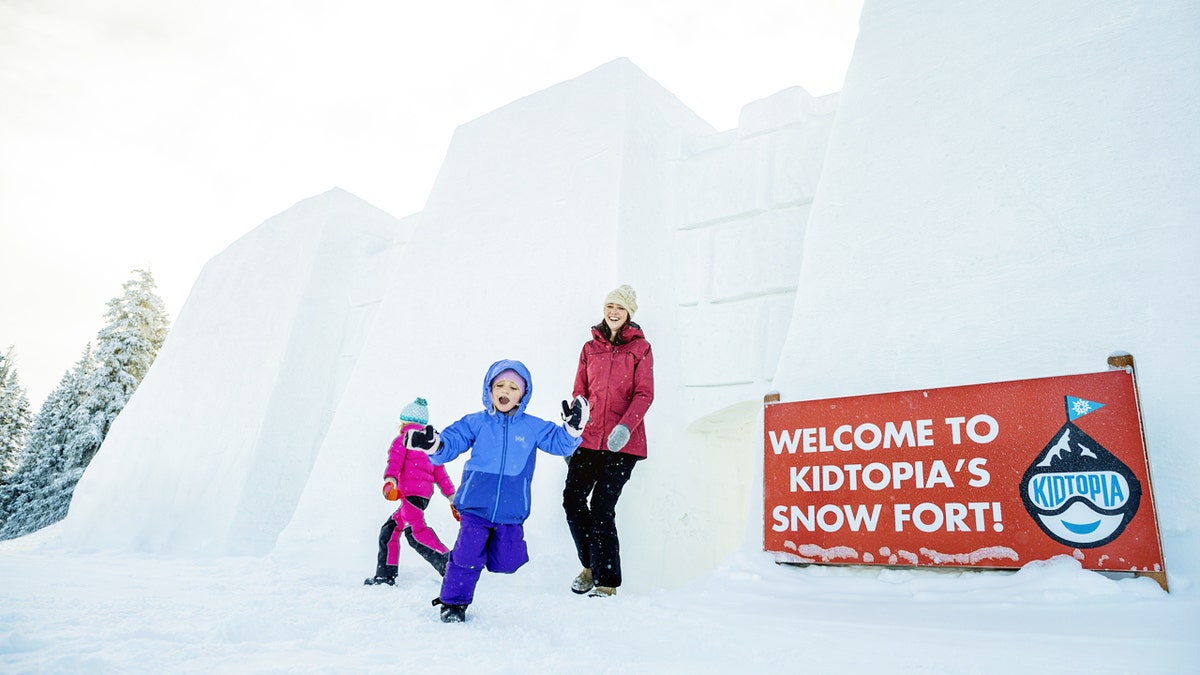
[{"x": 108, "y": 613}]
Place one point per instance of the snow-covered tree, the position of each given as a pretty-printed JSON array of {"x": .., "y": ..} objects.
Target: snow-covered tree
[
  {"x": 69, "y": 430},
  {"x": 15, "y": 417},
  {"x": 30, "y": 499},
  {"x": 125, "y": 349}
]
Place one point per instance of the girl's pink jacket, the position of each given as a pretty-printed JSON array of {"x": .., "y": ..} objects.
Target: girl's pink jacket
[{"x": 411, "y": 470}]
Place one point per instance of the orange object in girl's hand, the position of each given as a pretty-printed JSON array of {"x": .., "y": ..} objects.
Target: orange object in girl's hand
[{"x": 390, "y": 491}]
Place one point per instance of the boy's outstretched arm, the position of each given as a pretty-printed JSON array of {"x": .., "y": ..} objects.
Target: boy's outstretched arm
[
  {"x": 556, "y": 440},
  {"x": 453, "y": 441}
]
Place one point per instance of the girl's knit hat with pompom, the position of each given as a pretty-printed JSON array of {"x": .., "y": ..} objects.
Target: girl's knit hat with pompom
[{"x": 415, "y": 412}]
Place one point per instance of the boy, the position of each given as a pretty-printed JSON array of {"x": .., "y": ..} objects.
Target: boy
[{"x": 493, "y": 497}]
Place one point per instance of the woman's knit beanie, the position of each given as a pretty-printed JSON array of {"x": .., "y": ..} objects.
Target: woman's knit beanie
[
  {"x": 625, "y": 296},
  {"x": 415, "y": 412}
]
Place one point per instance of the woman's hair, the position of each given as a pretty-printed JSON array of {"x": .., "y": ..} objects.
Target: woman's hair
[{"x": 604, "y": 331}]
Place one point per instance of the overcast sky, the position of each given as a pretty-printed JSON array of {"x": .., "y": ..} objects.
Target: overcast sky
[{"x": 154, "y": 133}]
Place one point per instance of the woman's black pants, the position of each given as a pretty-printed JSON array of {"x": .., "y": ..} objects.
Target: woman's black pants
[{"x": 595, "y": 479}]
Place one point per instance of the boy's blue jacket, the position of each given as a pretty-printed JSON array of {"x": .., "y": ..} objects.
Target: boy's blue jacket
[{"x": 497, "y": 476}]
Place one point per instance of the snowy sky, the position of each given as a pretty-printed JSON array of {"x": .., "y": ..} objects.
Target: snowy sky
[{"x": 154, "y": 133}]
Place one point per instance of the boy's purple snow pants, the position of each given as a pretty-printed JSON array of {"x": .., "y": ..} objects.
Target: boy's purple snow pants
[{"x": 481, "y": 543}]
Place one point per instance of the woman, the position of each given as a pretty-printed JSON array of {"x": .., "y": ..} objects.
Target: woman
[{"x": 616, "y": 375}]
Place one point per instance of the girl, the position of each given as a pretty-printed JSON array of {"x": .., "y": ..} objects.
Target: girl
[{"x": 410, "y": 476}]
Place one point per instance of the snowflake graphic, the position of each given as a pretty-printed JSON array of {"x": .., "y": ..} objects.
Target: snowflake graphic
[{"x": 1081, "y": 407}]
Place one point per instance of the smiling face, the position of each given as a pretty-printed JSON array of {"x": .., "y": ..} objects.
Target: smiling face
[
  {"x": 615, "y": 316},
  {"x": 506, "y": 395}
]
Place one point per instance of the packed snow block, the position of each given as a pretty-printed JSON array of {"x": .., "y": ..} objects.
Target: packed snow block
[
  {"x": 722, "y": 373},
  {"x": 212, "y": 453},
  {"x": 725, "y": 182},
  {"x": 774, "y": 159},
  {"x": 1009, "y": 195},
  {"x": 790, "y": 107},
  {"x": 798, "y": 126},
  {"x": 695, "y": 145},
  {"x": 730, "y": 355},
  {"x": 703, "y": 401},
  {"x": 757, "y": 255},
  {"x": 778, "y": 310},
  {"x": 692, "y": 257},
  {"x": 796, "y": 162},
  {"x": 539, "y": 209}
]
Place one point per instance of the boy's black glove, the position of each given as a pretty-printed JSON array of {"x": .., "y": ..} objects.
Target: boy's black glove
[
  {"x": 575, "y": 415},
  {"x": 427, "y": 440}
]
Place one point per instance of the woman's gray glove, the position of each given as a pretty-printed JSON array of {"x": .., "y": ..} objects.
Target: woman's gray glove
[{"x": 618, "y": 438}]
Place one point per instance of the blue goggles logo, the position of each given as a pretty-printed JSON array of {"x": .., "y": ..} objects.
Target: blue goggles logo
[
  {"x": 1077, "y": 491},
  {"x": 1104, "y": 490}
]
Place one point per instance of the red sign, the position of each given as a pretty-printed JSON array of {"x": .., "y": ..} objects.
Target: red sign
[{"x": 991, "y": 475}]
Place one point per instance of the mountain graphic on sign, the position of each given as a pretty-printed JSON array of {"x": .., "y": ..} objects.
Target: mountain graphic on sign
[{"x": 1078, "y": 492}]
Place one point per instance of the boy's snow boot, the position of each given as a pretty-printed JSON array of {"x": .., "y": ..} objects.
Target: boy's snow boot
[
  {"x": 582, "y": 583},
  {"x": 451, "y": 613},
  {"x": 378, "y": 580},
  {"x": 454, "y": 613},
  {"x": 603, "y": 592}
]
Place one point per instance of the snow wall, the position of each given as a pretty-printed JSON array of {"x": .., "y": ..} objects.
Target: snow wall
[
  {"x": 1010, "y": 193},
  {"x": 263, "y": 426},
  {"x": 212, "y": 450},
  {"x": 981, "y": 203}
]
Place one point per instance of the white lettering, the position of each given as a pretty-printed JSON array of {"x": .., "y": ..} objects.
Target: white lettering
[
  {"x": 993, "y": 429},
  {"x": 828, "y": 518},
  {"x": 810, "y": 440},
  {"x": 924, "y": 433},
  {"x": 927, "y": 508},
  {"x": 778, "y": 443},
  {"x": 981, "y": 475},
  {"x": 902, "y": 436},
  {"x": 837, "y": 520},
  {"x": 955, "y": 429},
  {"x": 900, "y": 471},
  {"x": 779, "y": 513},
  {"x": 831, "y": 476},
  {"x": 876, "y": 436},
  {"x": 938, "y": 475},
  {"x": 798, "y": 478},
  {"x": 884, "y": 476},
  {"x": 837, "y": 437}
]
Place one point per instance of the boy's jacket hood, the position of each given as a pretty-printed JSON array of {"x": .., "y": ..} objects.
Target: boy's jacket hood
[{"x": 499, "y": 367}]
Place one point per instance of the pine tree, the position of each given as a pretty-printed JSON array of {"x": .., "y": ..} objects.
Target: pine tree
[
  {"x": 28, "y": 502},
  {"x": 125, "y": 349},
  {"x": 15, "y": 418},
  {"x": 72, "y": 425}
]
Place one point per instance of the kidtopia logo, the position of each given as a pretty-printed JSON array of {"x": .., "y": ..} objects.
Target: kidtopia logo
[{"x": 1077, "y": 491}]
